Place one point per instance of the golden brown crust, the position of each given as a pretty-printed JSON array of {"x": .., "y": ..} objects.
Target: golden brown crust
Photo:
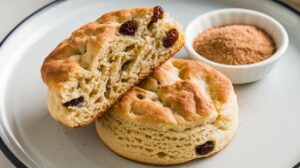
[
  {"x": 64, "y": 59},
  {"x": 121, "y": 16},
  {"x": 219, "y": 85},
  {"x": 187, "y": 98},
  {"x": 173, "y": 94}
]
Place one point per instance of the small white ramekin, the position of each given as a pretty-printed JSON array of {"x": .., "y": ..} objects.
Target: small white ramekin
[{"x": 238, "y": 74}]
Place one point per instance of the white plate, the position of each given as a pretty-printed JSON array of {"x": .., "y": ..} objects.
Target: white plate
[{"x": 269, "y": 113}]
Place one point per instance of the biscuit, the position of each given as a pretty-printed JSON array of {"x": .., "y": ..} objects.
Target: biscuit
[
  {"x": 88, "y": 72},
  {"x": 183, "y": 111}
]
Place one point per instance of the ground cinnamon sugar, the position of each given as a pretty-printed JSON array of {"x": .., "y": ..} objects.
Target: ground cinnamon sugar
[{"x": 235, "y": 44}]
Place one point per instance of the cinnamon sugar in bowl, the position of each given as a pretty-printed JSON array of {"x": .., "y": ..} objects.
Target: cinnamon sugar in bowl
[
  {"x": 242, "y": 60},
  {"x": 234, "y": 44}
]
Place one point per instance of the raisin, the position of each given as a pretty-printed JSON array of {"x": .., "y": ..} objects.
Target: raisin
[
  {"x": 129, "y": 27},
  {"x": 74, "y": 102},
  {"x": 171, "y": 38},
  {"x": 205, "y": 148},
  {"x": 158, "y": 13},
  {"x": 140, "y": 96}
]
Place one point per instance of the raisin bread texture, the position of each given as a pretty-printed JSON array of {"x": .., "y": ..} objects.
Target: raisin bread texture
[
  {"x": 88, "y": 72},
  {"x": 183, "y": 111}
]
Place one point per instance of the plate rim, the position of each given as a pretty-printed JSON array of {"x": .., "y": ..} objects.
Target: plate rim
[{"x": 3, "y": 147}]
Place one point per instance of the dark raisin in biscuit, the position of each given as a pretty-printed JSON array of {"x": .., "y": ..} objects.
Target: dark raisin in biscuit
[{"x": 129, "y": 27}]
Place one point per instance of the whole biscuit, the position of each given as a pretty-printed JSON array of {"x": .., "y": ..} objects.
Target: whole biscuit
[{"x": 183, "y": 111}]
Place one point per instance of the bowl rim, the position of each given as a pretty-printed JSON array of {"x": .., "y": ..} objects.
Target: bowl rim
[{"x": 279, "y": 50}]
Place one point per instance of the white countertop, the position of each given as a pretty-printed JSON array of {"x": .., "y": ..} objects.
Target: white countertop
[{"x": 11, "y": 13}]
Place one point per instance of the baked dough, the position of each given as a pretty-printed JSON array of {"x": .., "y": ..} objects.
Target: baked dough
[
  {"x": 88, "y": 72},
  {"x": 183, "y": 111}
]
